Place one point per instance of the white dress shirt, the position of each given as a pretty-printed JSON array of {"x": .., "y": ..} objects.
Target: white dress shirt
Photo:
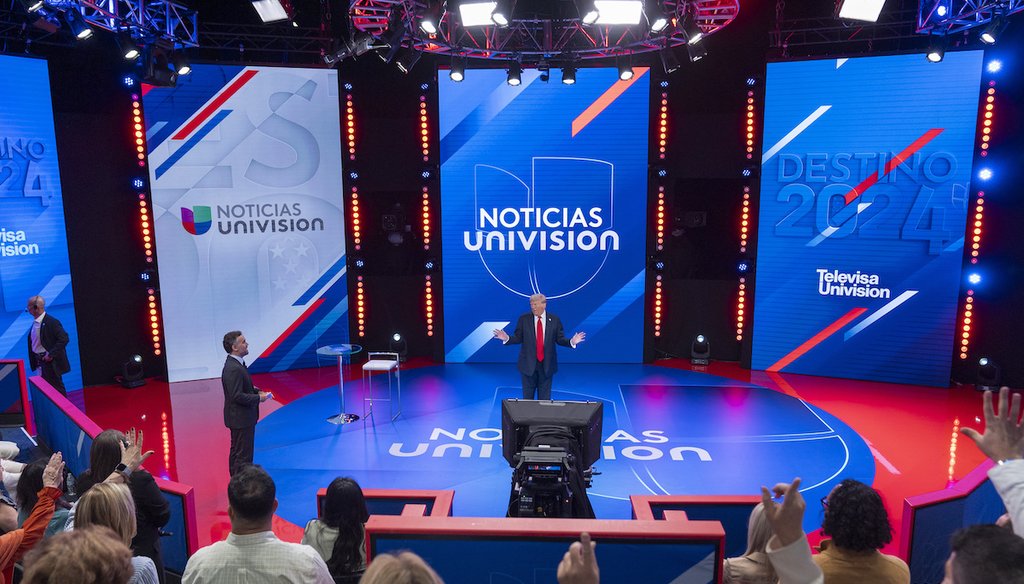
[
  {"x": 37, "y": 346},
  {"x": 257, "y": 558}
]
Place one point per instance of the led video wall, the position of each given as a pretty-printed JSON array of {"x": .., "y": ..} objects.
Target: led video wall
[
  {"x": 864, "y": 190},
  {"x": 245, "y": 170},
  {"x": 33, "y": 240},
  {"x": 544, "y": 189}
]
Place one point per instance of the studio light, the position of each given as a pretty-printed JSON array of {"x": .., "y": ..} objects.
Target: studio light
[
  {"x": 936, "y": 49},
  {"x": 994, "y": 30},
  {"x": 569, "y": 75},
  {"x": 129, "y": 49},
  {"x": 697, "y": 51},
  {"x": 612, "y": 12},
  {"x": 77, "y": 24},
  {"x": 274, "y": 10},
  {"x": 132, "y": 373},
  {"x": 656, "y": 16},
  {"x": 994, "y": 66},
  {"x": 974, "y": 278},
  {"x": 431, "y": 20},
  {"x": 156, "y": 69},
  {"x": 397, "y": 344},
  {"x": 181, "y": 64},
  {"x": 458, "y": 71},
  {"x": 588, "y": 11},
  {"x": 866, "y": 10},
  {"x": 985, "y": 174},
  {"x": 989, "y": 375},
  {"x": 625, "y": 68},
  {"x": 32, "y": 5},
  {"x": 476, "y": 13},
  {"x": 668, "y": 60},
  {"x": 408, "y": 60},
  {"x": 515, "y": 73},
  {"x": 700, "y": 350},
  {"x": 502, "y": 13},
  {"x": 395, "y": 35},
  {"x": 693, "y": 32}
]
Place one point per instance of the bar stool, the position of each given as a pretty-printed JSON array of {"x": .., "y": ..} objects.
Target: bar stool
[{"x": 388, "y": 363}]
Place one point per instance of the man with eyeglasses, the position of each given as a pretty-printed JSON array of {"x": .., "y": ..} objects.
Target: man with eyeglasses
[{"x": 47, "y": 342}]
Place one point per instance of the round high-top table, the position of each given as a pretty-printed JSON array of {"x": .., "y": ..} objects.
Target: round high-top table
[{"x": 343, "y": 353}]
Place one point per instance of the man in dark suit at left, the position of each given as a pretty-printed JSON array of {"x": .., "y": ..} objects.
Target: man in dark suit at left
[
  {"x": 47, "y": 344},
  {"x": 242, "y": 401}
]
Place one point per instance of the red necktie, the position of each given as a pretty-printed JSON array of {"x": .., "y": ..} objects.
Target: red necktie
[{"x": 540, "y": 340}]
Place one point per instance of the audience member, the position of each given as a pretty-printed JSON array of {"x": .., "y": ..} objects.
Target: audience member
[
  {"x": 856, "y": 519},
  {"x": 30, "y": 484},
  {"x": 339, "y": 533},
  {"x": 753, "y": 566},
  {"x": 579, "y": 564},
  {"x": 985, "y": 554},
  {"x": 151, "y": 508},
  {"x": 14, "y": 544},
  {"x": 252, "y": 553},
  {"x": 401, "y": 568},
  {"x": 110, "y": 505},
  {"x": 787, "y": 549},
  {"x": 1003, "y": 442},
  {"x": 84, "y": 556}
]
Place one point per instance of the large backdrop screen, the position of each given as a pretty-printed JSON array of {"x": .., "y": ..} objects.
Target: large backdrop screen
[
  {"x": 864, "y": 192},
  {"x": 33, "y": 240},
  {"x": 544, "y": 189},
  {"x": 246, "y": 181}
]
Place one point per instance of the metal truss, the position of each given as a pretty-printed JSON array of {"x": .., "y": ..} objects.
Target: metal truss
[
  {"x": 533, "y": 41},
  {"x": 945, "y": 17},
  {"x": 259, "y": 39},
  {"x": 830, "y": 36},
  {"x": 166, "y": 20}
]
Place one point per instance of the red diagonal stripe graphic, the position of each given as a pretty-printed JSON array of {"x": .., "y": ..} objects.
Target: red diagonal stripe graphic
[
  {"x": 813, "y": 341},
  {"x": 892, "y": 164},
  {"x": 214, "y": 105},
  {"x": 305, "y": 314}
]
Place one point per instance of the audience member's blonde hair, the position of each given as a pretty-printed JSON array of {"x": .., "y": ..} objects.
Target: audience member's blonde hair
[
  {"x": 94, "y": 555},
  {"x": 401, "y": 568},
  {"x": 109, "y": 505}
]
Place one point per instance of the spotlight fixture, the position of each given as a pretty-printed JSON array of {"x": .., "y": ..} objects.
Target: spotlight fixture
[
  {"x": 458, "y": 69},
  {"x": 502, "y": 13},
  {"x": 77, "y": 24},
  {"x": 515, "y": 73},
  {"x": 625, "y": 68},
  {"x": 866, "y": 10},
  {"x": 395, "y": 34},
  {"x": 132, "y": 373},
  {"x": 668, "y": 60},
  {"x": 156, "y": 68},
  {"x": 408, "y": 60},
  {"x": 700, "y": 351},
  {"x": 974, "y": 278},
  {"x": 656, "y": 15},
  {"x": 619, "y": 12},
  {"x": 994, "y": 66},
  {"x": 588, "y": 11},
  {"x": 697, "y": 51},
  {"x": 994, "y": 30},
  {"x": 397, "y": 344},
  {"x": 569, "y": 75},
  {"x": 129, "y": 49},
  {"x": 274, "y": 10},
  {"x": 693, "y": 32},
  {"x": 476, "y": 13},
  {"x": 989, "y": 375},
  {"x": 431, "y": 19},
  {"x": 181, "y": 65},
  {"x": 32, "y": 5},
  {"x": 936, "y": 49}
]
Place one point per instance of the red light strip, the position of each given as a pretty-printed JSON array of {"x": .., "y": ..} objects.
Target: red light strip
[
  {"x": 660, "y": 230},
  {"x": 354, "y": 214},
  {"x": 350, "y": 126},
  {"x": 145, "y": 224},
  {"x": 360, "y": 307},
  {"x": 750, "y": 125},
  {"x": 745, "y": 220},
  {"x": 428, "y": 302},
  {"x": 663, "y": 126},
  {"x": 424, "y": 133},
  {"x": 658, "y": 304},
  {"x": 428, "y": 285}
]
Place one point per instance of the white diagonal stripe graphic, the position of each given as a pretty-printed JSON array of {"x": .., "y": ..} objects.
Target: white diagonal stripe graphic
[
  {"x": 828, "y": 231},
  {"x": 474, "y": 341},
  {"x": 794, "y": 132},
  {"x": 879, "y": 313}
]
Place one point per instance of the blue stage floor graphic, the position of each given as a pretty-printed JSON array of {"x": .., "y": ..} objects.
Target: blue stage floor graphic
[{"x": 666, "y": 431}]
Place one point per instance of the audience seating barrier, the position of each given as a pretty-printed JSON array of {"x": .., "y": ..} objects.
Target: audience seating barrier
[
  {"x": 393, "y": 501},
  {"x": 930, "y": 519},
  {"x": 63, "y": 427},
  {"x": 732, "y": 511}
]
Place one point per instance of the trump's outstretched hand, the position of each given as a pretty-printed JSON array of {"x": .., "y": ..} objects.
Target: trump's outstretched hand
[{"x": 500, "y": 334}]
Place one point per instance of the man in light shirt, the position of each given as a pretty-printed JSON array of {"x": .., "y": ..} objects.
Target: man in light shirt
[
  {"x": 47, "y": 342},
  {"x": 252, "y": 553}
]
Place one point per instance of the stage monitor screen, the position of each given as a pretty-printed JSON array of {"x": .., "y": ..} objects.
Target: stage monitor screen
[
  {"x": 865, "y": 182},
  {"x": 544, "y": 190},
  {"x": 245, "y": 169},
  {"x": 584, "y": 419},
  {"x": 33, "y": 240}
]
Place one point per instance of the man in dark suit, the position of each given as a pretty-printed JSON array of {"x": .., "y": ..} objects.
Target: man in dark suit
[
  {"x": 47, "y": 342},
  {"x": 538, "y": 361},
  {"x": 242, "y": 401}
]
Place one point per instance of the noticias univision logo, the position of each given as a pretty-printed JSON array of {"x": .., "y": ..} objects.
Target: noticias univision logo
[{"x": 196, "y": 220}]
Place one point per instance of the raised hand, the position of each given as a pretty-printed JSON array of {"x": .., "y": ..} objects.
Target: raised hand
[
  {"x": 1003, "y": 438},
  {"x": 500, "y": 334},
  {"x": 579, "y": 564},
  {"x": 53, "y": 474},
  {"x": 786, "y": 519},
  {"x": 578, "y": 338},
  {"x": 132, "y": 455}
]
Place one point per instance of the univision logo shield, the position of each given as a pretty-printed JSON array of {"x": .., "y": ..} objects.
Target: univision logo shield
[{"x": 196, "y": 220}]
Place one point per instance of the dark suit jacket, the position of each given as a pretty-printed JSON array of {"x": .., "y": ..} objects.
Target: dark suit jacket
[
  {"x": 241, "y": 398},
  {"x": 54, "y": 339},
  {"x": 526, "y": 334}
]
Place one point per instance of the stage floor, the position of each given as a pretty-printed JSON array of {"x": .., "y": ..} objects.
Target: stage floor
[{"x": 669, "y": 428}]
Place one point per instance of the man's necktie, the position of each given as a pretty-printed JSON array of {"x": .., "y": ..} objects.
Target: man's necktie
[{"x": 540, "y": 340}]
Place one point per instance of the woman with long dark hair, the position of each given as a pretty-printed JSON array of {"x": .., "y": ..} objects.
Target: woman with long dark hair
[
  {"x": 151, "y": 509},
  {"x": 339, "y": 534},
  {"x": 27, "y": 493}
]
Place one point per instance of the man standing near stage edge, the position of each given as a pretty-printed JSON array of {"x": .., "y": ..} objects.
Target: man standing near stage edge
[
  {"x": 242, "y": 402},
  {"x": 538, "y": 361},
  {"x": 47, "y": 344}
]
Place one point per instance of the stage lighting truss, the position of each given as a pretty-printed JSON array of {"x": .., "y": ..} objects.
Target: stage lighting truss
[
  {"x": 557, "y": 35},
  {"x": 949, "y": 17},
  {"x": 146, "y": 20}
]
